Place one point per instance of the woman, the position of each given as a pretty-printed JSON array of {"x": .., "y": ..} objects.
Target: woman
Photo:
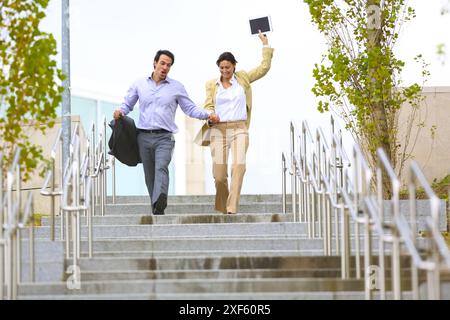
[{"x": 230, "y": 97}]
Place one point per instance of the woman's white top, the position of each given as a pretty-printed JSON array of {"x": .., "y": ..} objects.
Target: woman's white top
[{"x": 231, "y": 103}]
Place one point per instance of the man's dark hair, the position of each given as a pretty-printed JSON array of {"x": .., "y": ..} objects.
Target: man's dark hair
[
  {"x": 166, "y": 53},
  {"x": 226, "y": 56}
]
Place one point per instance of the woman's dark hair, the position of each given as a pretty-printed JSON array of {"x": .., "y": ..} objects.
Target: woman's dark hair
[
  {"x": 226, "y": 56},
  {"x": 166, "y": 53}
]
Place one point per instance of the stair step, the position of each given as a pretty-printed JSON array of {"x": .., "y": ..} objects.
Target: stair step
[
  {"x": 190, "y": 208},
  {"x": 187, "y": 199},
  {"x": 266, "y": 296},
  {"x": 46, "y": 249},
  {"x": 134, "y": 219},
  {"x": 204, "y": 229},
  {"x": 290, "y": 229},
  {"x": 197, "y": 286},
  {"x": 125, "y": 275},
  {"x": 208, "y": 274},
  {"x": 219, "y": 263},
  {"x": 201, "y": 285},
  {"x": 209, "y": 253},
  {"x": 193, "y": 252}
]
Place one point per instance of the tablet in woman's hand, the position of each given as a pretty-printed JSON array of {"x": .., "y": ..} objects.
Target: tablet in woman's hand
[{"x": 263, "y": 24}]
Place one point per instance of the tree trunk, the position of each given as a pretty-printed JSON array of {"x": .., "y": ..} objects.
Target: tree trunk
[{"x": 382, "y": 138}]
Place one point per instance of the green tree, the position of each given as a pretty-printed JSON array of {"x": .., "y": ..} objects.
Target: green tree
[
  {"x": 29, "y": 89},
  {"x": 359, "y": 77}
]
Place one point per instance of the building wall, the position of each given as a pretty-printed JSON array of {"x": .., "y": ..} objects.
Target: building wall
[
  {"x": 432, "y": 130},
  {"x": 42, "y": 203},
  {"x": 429, "y": 143},
  {"x": 195, "y": 154}
]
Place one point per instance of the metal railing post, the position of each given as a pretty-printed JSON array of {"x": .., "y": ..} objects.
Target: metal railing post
[
  {"x": 13, "y": 291},
  {"x": 19, "y": 255},
  {"x": 395, "y": 255},
  {"x": 412, "y": 215},
  {"x": 367, "y": 256},
  {"x": 52, "y": 203},
  {"x": 381, "y": 263},
  {"x": 67, "y": 221},
  {"x": 76, "y": 202},
  {"x": 18, "y": 233},
  {"x": 32, "y": 246},
  {"x": 90, "y": 223},
  {"x": 8, "y": 268},
  {"x": 306, "y": 185},
  {"x": 61, "y": 213},
  {"x": 93, "y": 164},
  {"x": 74, "y": 230},
  {"x": 11, "y": 241},
  {"x": 358, "y": 191},
  {"x": 283, "y": 182},
  {"x": 113, "y": 165},
  {"x": 101, "y": 185},
  {"x": 2, "y": 269},
  {"x": 104, "y": 176},
  {"x": 2, "y": 241},
  {"x": 345, "y": 244},
  {"x": 294, "y": 189},
  {"x": 318, "y": 173},
  {"x": 294, "y": 172}
]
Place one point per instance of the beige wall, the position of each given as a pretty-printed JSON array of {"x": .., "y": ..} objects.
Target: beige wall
[
  {"x": 42, "y": 203},
  {"x": 195, "y": 165},
  {"x": 431, "y": 153}
]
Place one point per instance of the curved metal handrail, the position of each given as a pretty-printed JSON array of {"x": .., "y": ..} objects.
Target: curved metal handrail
[{"x": 325, "y": 171}]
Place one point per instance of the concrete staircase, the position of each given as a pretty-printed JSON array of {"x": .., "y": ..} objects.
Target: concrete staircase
[{"x": 193, "y": 253}]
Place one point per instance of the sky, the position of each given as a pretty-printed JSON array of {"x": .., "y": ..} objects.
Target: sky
[{"x": 113, "y": 42}]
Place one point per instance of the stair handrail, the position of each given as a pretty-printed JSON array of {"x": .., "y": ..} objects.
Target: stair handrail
[
  {"x": 293, "y": 133},
  {"x": 384, "y": 165},
  {"x": 440, "y": 244},
  {"x": 77, "y": 186},
  {"x": 51, "y": 174},
  {"x": 28, "y": 220},
  {"x": 307, "y": 175},
  {"x": 99, "y": 172},
  {"x": 13, "y": 204},
  {"x": 365, "y": 206},
  {"x": 331, "y": 178},
  {"x": 14, "y": 218},
  {"x": 439, "y": 250},
  {"x": 12, "y": 222}
]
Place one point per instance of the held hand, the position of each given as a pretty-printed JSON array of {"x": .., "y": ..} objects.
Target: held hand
[
  {"x": 118, "y": 114},
  {"x": 263, "y": 38},
  {"x": 213, "y": 118}
]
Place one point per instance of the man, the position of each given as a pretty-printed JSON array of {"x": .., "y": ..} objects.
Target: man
[{"x": 159, "y": 97}]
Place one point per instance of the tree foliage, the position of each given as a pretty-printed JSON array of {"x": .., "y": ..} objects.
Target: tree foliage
[
  {"x": 29, "y": 90},
  {"x": 359, "y": 76}
]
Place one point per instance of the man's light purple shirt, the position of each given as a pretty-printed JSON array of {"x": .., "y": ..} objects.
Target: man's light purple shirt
[{"x": 158, "y": 103}]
